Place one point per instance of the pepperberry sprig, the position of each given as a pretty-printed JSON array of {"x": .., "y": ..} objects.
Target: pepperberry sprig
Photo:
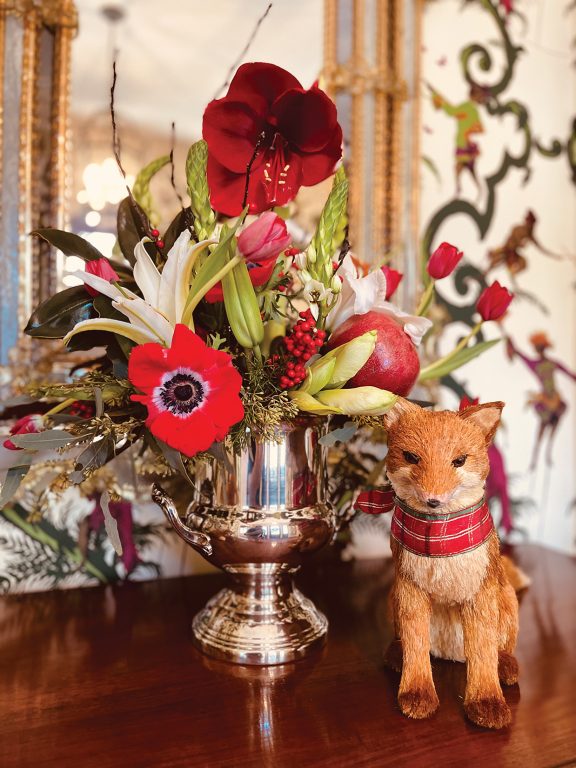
[{"x": 303, "y": 341}]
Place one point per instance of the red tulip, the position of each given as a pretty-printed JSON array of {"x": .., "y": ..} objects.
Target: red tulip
[
  {"x": 289, "y": 134},
  {"x": 466, "y": 402},
  {"x": 24, "y": 426},
  {"x": 264, "y": 239},
  {"x": 494, "y": 301},
  {"x": 100, "y": 268},
  {"x": 443, "y": 261},
  {"x": 260, "y": 243},
  {"x": 393, "y": 278}
]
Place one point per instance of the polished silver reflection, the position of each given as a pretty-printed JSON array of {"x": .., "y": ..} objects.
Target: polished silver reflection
[{"x": 256, "y": 515}]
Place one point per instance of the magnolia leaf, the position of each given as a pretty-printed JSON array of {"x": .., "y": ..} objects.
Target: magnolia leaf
[
  {"x": 14, "y": 478},
  {"x": 358, "y": 401},
  {"x": 141, "y": 187},
  {"x": 48, "y": 439},
  {"x": 341, "y": 435},
  {"x": 182, "y": 221},
  {"x": 98, "y": 402},
  {"x": 442, "y": 368},
  {"x": 56, "y": 316},
  {"x": 132, "y": 226},
  {"x": 93, "y": 457},
  {"x": 110, "y": 524},
  {"x": 69, "y": 243},
  {"x": 318, "y": 375}
]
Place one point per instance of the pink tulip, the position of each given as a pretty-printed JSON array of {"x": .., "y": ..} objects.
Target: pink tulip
[
  {"x": 100, "y": 268},
  {"x": 393, "y": 278},
  {"x": 494, "y": 301},
  {"x": 443, "y": 261},
  {"x": 264, "y": 239},
  {"x": 24, "y": 426}
]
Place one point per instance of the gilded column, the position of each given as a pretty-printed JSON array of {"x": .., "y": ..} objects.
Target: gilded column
[
  {"x": 35, "y": 42},
  {"x": 368, "y": 70}
]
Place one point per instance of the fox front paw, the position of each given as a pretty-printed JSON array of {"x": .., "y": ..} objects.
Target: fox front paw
[
  {"x": 418, "y": 703},
  {"x": 507, "y": 668},
  {"x": 489, "y": 712}
]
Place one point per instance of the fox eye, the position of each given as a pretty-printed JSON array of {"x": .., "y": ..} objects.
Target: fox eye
[
  {"x": 411, "y": 458},
  {"x": 459, "y": 461}
]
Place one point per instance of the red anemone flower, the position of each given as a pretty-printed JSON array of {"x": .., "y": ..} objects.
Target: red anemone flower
[
  {"x": 290, "y": 135},
  {"x": 192, "y": 392}
]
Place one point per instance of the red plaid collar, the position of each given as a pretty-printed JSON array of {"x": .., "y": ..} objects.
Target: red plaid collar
[{"x": 441, "y": 535}]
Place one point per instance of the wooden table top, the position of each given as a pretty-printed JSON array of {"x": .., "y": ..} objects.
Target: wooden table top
[{"x": 108, "y": 677}]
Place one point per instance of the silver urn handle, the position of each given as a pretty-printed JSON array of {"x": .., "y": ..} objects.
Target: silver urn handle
[{"x": 200, "y": 541}]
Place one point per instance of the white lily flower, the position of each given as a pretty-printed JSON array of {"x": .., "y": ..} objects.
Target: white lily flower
[
  {"x": 153, "y": 317},
  {"x": 360, "y": 295}
]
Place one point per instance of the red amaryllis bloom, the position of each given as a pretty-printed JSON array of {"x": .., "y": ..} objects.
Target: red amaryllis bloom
[
  {"x": 291, "y": 136},
  {"x": 260, "y": 243},
  {"x": 393, "y": 278},
  {"x": 100, "y": 268},
  {"x": 24, "y": 426},
  {"x": 190, "y": 390},
  {"x": 443, "y": 261},
  {"x": 465, "y": 402},
  {"x": 494, "y": 301}
]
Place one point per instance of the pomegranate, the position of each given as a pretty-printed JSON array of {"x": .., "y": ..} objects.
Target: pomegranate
[{"x": 394, "y": 365}]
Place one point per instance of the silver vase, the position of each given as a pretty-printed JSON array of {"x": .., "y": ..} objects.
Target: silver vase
[{"x": 256, "y": 515}]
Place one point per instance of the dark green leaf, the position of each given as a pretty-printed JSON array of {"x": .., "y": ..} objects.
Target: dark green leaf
[
  {"x": 133, "y": 225},
  {"x": 180, "y": 222},
  {"x": 60, "y": 313},
  {"x": 69, "y": 243}
]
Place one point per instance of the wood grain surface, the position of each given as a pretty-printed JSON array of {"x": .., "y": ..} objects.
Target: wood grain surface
[{"x": 108, "y": 677}]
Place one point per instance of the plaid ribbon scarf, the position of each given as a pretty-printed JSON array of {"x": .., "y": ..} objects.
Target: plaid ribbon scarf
[{"x": 441, "y": 535}]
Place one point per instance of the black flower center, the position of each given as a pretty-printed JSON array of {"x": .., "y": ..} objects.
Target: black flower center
[{"x": 182, "y": 393}]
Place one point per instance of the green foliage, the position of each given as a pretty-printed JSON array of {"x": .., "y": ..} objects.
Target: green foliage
[
  {"x": 204, "y": 216},
  {"x": 69, "y": 243},
  {"x": 56, "y": 316},
  {"x": 332, "y": 222},
  {"x": 132, "y": 225},
  {"x": 446, "y": 365},
  {"x": 141, "y": 187}
]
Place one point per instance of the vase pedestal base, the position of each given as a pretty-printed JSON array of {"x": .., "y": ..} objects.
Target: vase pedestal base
[{"x": 260, "y": 619}]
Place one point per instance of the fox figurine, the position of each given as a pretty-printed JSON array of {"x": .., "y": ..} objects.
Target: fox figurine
[{"x": 452, "y": 595}]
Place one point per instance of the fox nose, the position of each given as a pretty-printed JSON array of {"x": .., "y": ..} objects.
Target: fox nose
[{"x": 433, "y": 503}]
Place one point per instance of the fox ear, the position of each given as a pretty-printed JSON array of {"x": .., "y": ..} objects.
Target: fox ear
[
  {"x": 400, "y": 408},
  {"x": 485, "y": 416}
]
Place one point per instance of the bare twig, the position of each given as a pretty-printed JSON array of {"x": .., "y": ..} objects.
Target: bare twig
[
  {"x": 249, "y": 167},
  {"x": 245, "y": 50}
]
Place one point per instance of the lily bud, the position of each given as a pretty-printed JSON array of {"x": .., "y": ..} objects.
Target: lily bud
[
  {"x": 358, "y": 401},
  {"x": 336, "y": 284},
  {"x": 350, "y": 358}
]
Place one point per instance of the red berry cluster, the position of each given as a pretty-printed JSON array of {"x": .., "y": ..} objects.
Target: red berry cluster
[
  {"x": 303, "y": 341},
  {"x": 155, "y": 236},
  {"x": 82, "y": 408}
]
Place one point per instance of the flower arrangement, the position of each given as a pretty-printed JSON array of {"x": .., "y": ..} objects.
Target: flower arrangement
[{"x": 221, "y": 327}]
